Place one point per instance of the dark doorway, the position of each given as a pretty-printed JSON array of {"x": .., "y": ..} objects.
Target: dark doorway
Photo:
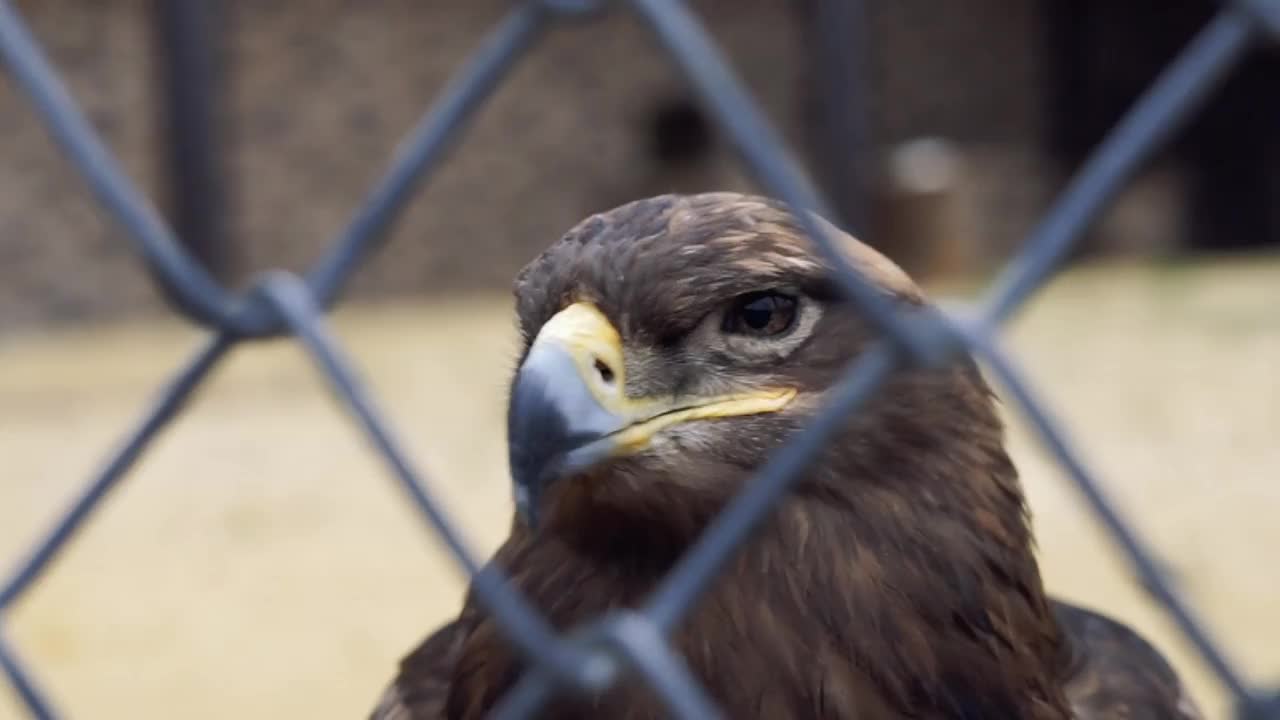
[{"x": 1104, "y": 53}]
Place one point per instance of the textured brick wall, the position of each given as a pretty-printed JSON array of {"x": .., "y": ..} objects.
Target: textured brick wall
[
  {"x": 322, "y": 91},
  {"x": 59, "y": 258},
  {"x": 970, "y": 70},
  {"x": 322, "y": 97}
]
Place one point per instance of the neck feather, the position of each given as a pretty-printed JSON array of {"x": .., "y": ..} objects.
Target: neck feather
[{"x": 836, "y": 605}]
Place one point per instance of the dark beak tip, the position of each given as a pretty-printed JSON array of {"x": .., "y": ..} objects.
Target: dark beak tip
[{"x": 554, "y": 423}]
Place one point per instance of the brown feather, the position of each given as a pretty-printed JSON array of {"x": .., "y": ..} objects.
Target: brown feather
[
  {"x": 897, "y": 580},
  {"x": 1115, "y": 673},
  {"x": 426, "y": 676}
]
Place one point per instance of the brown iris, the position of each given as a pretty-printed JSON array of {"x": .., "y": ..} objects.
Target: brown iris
[{"x": 760, "y": 314}]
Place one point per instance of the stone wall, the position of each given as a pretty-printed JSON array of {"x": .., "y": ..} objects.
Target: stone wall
[
  {"x": 321, "y": 92},
  {"x": 60, "y": 260}
]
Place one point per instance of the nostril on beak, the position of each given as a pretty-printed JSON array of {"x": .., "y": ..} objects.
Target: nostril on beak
[{"x": 606, "y": 372}]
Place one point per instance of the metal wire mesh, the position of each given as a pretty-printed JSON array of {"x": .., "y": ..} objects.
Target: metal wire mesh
[{"x": 592, "y": 657}]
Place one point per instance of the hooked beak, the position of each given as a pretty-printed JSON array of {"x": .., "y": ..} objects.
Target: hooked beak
[{"x": 569, "y": 410}]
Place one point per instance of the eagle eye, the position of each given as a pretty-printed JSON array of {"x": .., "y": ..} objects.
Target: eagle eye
[{"x": 760, "y": 314}]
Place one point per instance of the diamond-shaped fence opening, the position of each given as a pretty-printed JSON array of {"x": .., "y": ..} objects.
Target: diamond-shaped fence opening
[{"x": 286, "y": 304}]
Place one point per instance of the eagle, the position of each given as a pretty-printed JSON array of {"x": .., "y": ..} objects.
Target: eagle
[{"x": 668, "y": 347}]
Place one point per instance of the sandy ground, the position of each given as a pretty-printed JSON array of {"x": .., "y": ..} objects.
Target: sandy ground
[{"x": 260, "y": 564}]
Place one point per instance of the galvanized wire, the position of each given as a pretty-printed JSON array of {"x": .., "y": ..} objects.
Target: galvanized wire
[{"x": 634, "y": 644}]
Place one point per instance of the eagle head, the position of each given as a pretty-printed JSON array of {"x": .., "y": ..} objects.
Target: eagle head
[{"x": 671, "y": 344}]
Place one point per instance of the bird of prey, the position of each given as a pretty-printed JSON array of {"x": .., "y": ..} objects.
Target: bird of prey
[{"x": 669, "y": 346}]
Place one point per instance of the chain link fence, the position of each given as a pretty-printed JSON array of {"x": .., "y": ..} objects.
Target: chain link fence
[{"x": 591, "y": 658}]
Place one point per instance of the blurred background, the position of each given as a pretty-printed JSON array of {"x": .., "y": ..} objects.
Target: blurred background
[{"x": 259, "y": 563}]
